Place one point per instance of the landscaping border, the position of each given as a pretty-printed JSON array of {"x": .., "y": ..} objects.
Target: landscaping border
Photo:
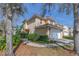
[{"x": 17, "y": 46}]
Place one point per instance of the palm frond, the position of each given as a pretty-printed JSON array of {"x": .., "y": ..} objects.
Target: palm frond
[{"x": 47, "y": 7}]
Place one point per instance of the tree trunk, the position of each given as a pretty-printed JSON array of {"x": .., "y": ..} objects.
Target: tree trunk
[
  {"x": 9, "y": 47},
  {"x": 76, "y": 28}
]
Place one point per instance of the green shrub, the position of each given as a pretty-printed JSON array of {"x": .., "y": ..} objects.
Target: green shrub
[
  {"x": 68, "y": 37},
  {"x": 24, "y": 35},
  {"x": 33, "y": 36},
  {"x": 38, "y": 38},
  {"x": 16, "y": 40},
  {"x": 2, "y": 43},
  {"x": 43, "y": 39}
]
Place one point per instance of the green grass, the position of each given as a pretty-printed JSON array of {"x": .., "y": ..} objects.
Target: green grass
[
  {"x": 68, "y": 37},
  {"x": 43, "y": 42}
]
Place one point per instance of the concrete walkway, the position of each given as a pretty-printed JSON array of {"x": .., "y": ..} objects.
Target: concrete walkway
[
  {"x": 61, "y": 42},
  {"x": 65, "y": 42},
  {"x": 35, "y": 44},
  {"x": 41, "y": 45}
]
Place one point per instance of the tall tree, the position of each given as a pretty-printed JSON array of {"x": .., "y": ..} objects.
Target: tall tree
[
  {"x": 9, "y": 11},
  {"x": 76, "y": 28}
]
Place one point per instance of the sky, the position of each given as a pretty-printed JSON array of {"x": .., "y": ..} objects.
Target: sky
[{"x": 33, "y": 9}]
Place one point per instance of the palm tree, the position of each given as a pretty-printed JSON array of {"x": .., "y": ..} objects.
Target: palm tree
[
  {"x": 68, "y": 8},
  {"x": 9, "y": 11}
]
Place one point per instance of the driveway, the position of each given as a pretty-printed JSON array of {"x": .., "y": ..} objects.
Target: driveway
[
  {"x": 64, "y": 41},
  {"x": 61, "y": 42}
]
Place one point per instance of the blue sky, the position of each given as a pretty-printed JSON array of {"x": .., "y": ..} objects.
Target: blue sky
[{"x": 60, "y": 18}]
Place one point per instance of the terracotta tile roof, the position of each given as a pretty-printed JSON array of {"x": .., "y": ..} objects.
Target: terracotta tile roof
[
  {"x": 41, "y": 18},
  {"x": 49, "y": 26},
  {"x": 57, "y": 26}
]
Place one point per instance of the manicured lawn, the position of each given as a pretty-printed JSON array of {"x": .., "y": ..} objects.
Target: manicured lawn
[{"x": 68, "y": 37}]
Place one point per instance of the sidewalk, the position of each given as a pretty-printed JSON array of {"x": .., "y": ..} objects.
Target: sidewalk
[{"x": 41, "y": 45}]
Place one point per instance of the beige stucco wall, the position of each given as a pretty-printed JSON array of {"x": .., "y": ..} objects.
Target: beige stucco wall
[
  {"x": 43, "y": 22},
  {"x": 37, "y": 22},
  {"x": 25, "y": 26},
  {"x": 31, "y": 27},
  {"x": 49, "y": 21},
  {"x": 41, "y": 31}
]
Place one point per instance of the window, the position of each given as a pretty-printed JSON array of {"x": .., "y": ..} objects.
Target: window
[
  {"x": 40, "y": 22},
  {"x": 46, "y": 21}
]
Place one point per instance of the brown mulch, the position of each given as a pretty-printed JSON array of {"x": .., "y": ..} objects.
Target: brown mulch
[
  {"x": 25, "y": 50},
  {"x": 2, "y": 53}
]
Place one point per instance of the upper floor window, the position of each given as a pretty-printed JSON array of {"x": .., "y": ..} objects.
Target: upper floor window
[
  {"x": 46, "y": 21},
  {"x": 40, "y": 22}
]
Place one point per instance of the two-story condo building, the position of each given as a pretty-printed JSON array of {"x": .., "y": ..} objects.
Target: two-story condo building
[{"x": 43, "y": 26}]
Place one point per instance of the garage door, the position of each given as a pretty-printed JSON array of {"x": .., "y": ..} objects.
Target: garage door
[{"x": 53, "y": 34}]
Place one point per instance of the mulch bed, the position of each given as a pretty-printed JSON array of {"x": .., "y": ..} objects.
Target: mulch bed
[{"x": 2, "y": 53}]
